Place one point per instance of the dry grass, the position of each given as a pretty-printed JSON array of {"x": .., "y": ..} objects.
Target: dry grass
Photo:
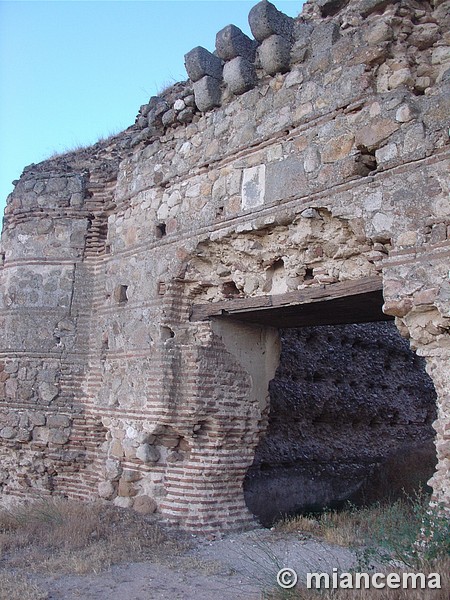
[
  {"x": 58, "y": 535},
  {"x": 55, "y": 536},
  {"x": 381, "y": 535},
  {"x": 395, "y": 527},
  {"x": 79, "y": 147},
  {"x": 14, "y": 586},
  {"x": 345, "y": 528}
]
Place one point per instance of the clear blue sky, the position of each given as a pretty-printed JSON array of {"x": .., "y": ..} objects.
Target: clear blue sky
[{"x": 73, "y": 71}]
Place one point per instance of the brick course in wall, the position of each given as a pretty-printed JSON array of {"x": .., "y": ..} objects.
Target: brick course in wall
[{"x": 317, "y": 153}]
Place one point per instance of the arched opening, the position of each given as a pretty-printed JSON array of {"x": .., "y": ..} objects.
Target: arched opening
[
  {"x": 351, "y": 409},
  {"x": 351, "y": 406}
]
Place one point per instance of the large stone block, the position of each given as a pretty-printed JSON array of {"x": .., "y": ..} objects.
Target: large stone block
[
  {"x": 145, "y": 505},
  {"x": 157, "y": 107},
  {"x": 239, "y": 74},
  {"x": 323, "y": 36},
  {"x": 106, "y": 490},
  {"x": 275, "y": 54},
  {"x": 200, "y": 62},
  {"x": 253, "y": 187},
  {"x": 232, "y": 42},
  {"x": 285, "y": 178},
  {"x": 266, "y": 20},
  {"x": 371, "y": 136},
  {"x": 147, "y": 453},
  {"x": 207, "y": 93},
  {"x": 57, "y": 420}
]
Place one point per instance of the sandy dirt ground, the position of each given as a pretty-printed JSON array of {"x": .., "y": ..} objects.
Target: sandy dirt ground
[{"x": 236, "y": 567}]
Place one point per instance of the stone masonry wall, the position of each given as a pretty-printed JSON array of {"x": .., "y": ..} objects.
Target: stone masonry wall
[{"x": 315, "y": 153}]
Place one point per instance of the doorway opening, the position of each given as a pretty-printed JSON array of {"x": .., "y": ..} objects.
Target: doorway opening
[{"x": 351, "y": 408}]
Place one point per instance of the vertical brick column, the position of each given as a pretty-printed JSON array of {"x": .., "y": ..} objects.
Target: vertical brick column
[{"x": 226, "y": 385}]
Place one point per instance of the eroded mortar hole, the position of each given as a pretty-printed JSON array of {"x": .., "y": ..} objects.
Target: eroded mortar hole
[
  {"x": 161, "y": 231},
  {"x": 230, "y": 289},
  {"x": 121, "y": 294},
  {"x": 166, "y": 333},
  {"x": 342, "y": 427},
  {"x": 366, "y": 160},
  {"x": 275, "y": 278}
]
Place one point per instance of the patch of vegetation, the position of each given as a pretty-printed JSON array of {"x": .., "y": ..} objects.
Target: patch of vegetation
[
  {"x": 14, "y": 586},
  {"x": 407, "y": 535},
  {"x": 79, "y": 147},
  {"x": 407, "y": 530},
  {"x": 56, "y": 535}
]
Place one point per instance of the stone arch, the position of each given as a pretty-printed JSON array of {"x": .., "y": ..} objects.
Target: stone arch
[{"x": 417, "y": 294}]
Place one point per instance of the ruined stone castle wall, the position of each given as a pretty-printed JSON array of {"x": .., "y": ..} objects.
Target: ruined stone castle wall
[{"x": 313, "y": 155}]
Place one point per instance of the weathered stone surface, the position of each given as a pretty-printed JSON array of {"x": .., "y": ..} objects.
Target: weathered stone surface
[
  {"x": 312, "y": 160},
  {"x": 284, "y": 178},
  {"x": 404, "y": 113},
  {"x": 370, "y": 136},
  {"x": 147, "y": 453},
  {"x": 401, "y": 77},
  {"x": 329, "y": 178},
  {"x": 424, "y": 35},
  {"x": 157, "y": 108},
  {"x": 239, "y": 75},
  {"x": 386, "y": 154},
  {"x": 367, "y": 7},
  {"x": 379, "y": 33},
  {"x": 37, "y": 418},
  {"x": 8, "y": 433},
  {"x": 253, "y": 187},
  {"x": 169, "y": 117},
  {"x": 106, "y": 490},
  {"x": 144, "y": 505},
  {"x": 58, "y": 436},
  {"x": 130, "y": 476},
  {"x": 126, "y": 489},
  {"x": 48, "y": 391},
  {"x": 232, "y": 42},
  {"x": 200, "y": 62},
  {"x": 207, "y": 93},
  {"x": 338, "y": 148},
  {"x": 186, "y": 115},
  {"x": 113, "y": 470},
  {"x": 123, "y": 502},
  {"x": 179, "y": 105},
  {"x": 58, "y": 421},
  {"x": 440, "y": 55},
  {"x": 323, "y": 37},
  {"x": 266, "y": 20},
  {"x": 275, "y": 54}
]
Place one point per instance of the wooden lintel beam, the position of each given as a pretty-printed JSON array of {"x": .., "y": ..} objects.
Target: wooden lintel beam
[{"x": 356, "y": 287}]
